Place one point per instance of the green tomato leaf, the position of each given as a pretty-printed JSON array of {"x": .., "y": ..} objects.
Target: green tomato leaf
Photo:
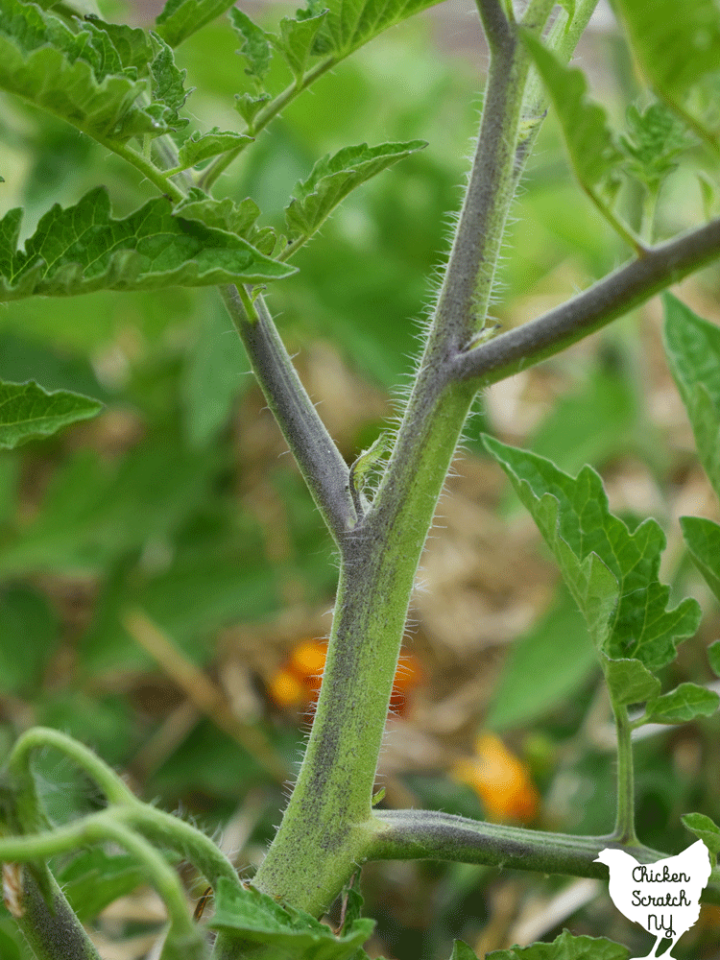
[
  {"x": 294, "y": 935},
  {"x": 674, "y": 52},
  {"x": 296, "y": 41},
  {"x": 611, "y": 572},
  {"x": 565, "y": 947},
  {"x": 593, "y": 154},
  {"x": 461, "y": 951},
  {"x": 256, "y": 45},
  {"x": 713, "y": 652},
  {"x": 333, "y": 178},
  {"x": 248, "y": 106},
  {"x": 66, "y": 73},
  {"x": 224, "y": 214},
  {"x": 654, "y": 141},
  {"x": 631, "y": 681},
  {"x": 692, "y": 347},
  {"x": 82, "y": 248},
  {"x": 179, "y": 19},
  {"x": 168, "y": 87},
  {"x": 201, "y": 147},
  {"x": 28, "y": 412},
  {"x": 351, "y": 23},
  {"x": 684, "y": 703},
  {"x": 133, "y": 46},
  {"x": 704, "y": 829},
  {"x": 228, "y": 215},
  {"x": 703, "y": 541}
]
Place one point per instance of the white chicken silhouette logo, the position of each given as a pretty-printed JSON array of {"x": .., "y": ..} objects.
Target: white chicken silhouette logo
[{"x": 663, "y": 897}]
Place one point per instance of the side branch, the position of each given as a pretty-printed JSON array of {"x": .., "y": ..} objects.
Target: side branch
[
  {"x": 325, "y": 472},
  {"x": 433, "y": 835},
  {"x": 591, "y": 310}
]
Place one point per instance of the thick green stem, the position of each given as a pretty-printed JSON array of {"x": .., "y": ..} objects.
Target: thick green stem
[{"x": 328, "y": 826}]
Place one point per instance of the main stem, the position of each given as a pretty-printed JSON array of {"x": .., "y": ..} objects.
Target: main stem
[{"x": 328, "y": 826}]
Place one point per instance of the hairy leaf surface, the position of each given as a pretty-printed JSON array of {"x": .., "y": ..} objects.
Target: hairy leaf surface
[
  {"x": 335, "y": 176},
  {"x": 80, "y": 249},
  {"x": 27, "y": 411},
  {"x": 611, "y": 572}
]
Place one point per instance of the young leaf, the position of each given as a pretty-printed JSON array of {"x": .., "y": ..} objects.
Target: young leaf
[
  {"x": 703, "y": 541},
  {"x": 593, "y": 154},
  {"x": 201, "y": 147},
  {"x": 611, "y": 572},
  {"x": 179, "y": 19},
  {"x": 44, "y": 62},
  {"x": 256, "y": 45},
  {"x": 674, "y": 52},
  {"x": 258, "y": 918},
  {"x": 224, "y": 214},
  {"x": 333, "y": 178},
  {"x": 682, "y": 704},
  {"x": 296, "y": 41},
  {"x": 654, "y": 141},
  {"x": 248, "y": 106},
  {"x": 82, "y": 248},
  {"x": 28, "y": 412},
  {"x": 565, "y": 947},
  {"x": 692, "y": 347},
  {"x": 704, "y": 829},
  {"x": 168, "y": 87},
  {"x": 368, "y": 460}
]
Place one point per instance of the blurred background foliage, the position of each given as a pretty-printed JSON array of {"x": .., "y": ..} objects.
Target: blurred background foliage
[{"x": 166, "y": 583}]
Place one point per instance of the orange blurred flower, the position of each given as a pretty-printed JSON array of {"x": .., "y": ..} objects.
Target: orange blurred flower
[
  {"x": 500, "y": 779},
  {"x": 296, "y": 683}
]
